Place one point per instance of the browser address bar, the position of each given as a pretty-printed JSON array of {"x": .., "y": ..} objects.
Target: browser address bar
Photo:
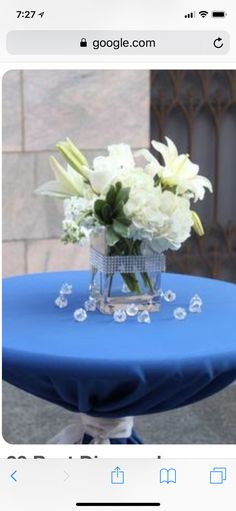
[{"x": 107, "y": 42}]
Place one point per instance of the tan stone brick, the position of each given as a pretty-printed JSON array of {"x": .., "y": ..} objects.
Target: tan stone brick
[
  {"x": 94, "y": 108},
  {"x": 13, "y": 258},
  {"x": 26, "y": 215},
  {"x": 53, "y": 255},
  {"x": 11, "y": 112}
]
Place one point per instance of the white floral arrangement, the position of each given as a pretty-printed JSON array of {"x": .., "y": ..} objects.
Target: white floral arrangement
[{"x": 135, "y": 196}]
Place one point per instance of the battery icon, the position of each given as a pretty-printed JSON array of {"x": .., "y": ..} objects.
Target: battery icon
[{"x": 218, "y": 14}]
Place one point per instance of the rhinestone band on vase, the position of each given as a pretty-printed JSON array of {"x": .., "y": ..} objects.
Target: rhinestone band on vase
[{"x": 125, "y": 264}]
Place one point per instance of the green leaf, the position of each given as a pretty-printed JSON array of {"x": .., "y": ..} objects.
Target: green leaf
[
  {"x": 118, "y": 210},
  {"x": 111, "y": 237},
  {"x": 169, "y": 188},
  {"x": 98, "y": 206},
  {"x": 118, "y": 186},
  {"x": 120, "y": 229},
  {"x": 123, "y": 195},
  {"x": 110, "y": 212},
  {"x": 156, "y": 180},
  {"x": 123, "y": 220},
  {"x": 111, "y": 195},
  {"x": 106, "y": 213}
]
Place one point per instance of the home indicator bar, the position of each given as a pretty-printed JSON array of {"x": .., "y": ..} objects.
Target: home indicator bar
[{"x": 118, "y": 504}]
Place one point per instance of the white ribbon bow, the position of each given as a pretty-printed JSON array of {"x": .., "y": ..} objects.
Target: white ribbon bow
[{"x": 100, "y": 429}]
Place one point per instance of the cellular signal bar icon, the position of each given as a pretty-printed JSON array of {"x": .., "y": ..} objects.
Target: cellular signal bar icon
[{"x": 190, "y": 15}]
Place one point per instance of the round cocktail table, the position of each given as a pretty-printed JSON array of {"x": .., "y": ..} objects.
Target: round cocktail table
[{"x": 110, "y": 372}]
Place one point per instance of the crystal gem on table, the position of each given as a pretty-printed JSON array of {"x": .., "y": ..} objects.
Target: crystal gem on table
[
  {"x": 179, "y": 313},
  {"x": 66, "y": 289},
  {"x": 144, "y": 317},
  {"x": 125, "y": 288},
  {"x": 61, "y": 301},
  {"x": 90, "y": 305},
  {"x": 132, "y": 309},
  {"x": 160, "y": 293},
  {"x": 119, "y": 316},
  {"x": 94, "y": 292},
  {"x": 80, "y": 315},
  {"x": 169, "y": 296},
  {"x": 195, "y": 304}
]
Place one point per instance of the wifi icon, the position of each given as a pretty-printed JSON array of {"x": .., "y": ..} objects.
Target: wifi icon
[{"x": 203, "y": 14}]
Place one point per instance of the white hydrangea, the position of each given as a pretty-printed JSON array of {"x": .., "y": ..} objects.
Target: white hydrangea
[
  {"x": 136, "y": 179},
  {"x": 162, "y": 218},
  {"x": 75, "y": 207}
]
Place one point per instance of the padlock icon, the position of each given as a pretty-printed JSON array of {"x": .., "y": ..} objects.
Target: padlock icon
[{"x": 83, "y": 43}]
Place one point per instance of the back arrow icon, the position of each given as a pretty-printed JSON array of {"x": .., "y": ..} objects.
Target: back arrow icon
[
  {"x": 218, "y": 43},
  {"x": 13, "y": 476}
]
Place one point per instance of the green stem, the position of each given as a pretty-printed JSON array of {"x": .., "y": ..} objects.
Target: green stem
[
  {"x": 131, "y": 247},
  {"x": 110, "y": 277},
  {"x": 147, "y": 281},
  {"x": 132, "y": 282}
]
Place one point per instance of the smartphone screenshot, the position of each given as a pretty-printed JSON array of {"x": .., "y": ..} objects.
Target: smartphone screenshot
[{"x": 118, "y": 144}]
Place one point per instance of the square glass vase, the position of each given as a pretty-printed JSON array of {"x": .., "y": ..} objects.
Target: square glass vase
[{"x": 119, "y": 280}]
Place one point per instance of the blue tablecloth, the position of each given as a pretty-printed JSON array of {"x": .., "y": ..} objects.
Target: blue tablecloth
[{"x": 107, "y": 369}]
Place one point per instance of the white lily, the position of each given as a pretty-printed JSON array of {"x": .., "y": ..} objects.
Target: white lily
[
  {"x": 106, "y": 169},
  {"x": 178, "y": 170},
  {"x": 68, "y": 182}
]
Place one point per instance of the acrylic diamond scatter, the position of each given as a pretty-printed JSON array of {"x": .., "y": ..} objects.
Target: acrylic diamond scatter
[
  {"x": 61, "y": 301},
  {"x": 66, "y": 289},
  {"x": 80, "y": 315},
  {"x": 125, "y": 288},
  {"x": 132, "y": 309},
  {"x": 169, "y": 296},
  {"x": 144, "y": 317},
  {"x": 180, "y": 313},
  {"x": 90, "y": 304},
  {"x": 160, "y": 293},
  {"x": 195, "y": 304},
  {"x": 119, "y": 316},
  {"x": 94, "y": 292}
]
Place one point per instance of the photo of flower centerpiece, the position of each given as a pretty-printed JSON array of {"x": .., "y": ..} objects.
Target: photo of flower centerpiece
[
  {"x": 119, "y": 258},
  {"x": 133, "y": 208}
]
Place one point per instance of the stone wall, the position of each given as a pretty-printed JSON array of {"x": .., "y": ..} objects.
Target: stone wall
[{"x": 93, "y": 108}]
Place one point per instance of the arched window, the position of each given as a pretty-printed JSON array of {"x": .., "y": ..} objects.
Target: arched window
[{"x": 197, "y": 109}]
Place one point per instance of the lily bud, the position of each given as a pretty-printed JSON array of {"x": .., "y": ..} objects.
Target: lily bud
[
  {"x": 72, "y": 155},
  {"x": 197, "y": 224}
]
